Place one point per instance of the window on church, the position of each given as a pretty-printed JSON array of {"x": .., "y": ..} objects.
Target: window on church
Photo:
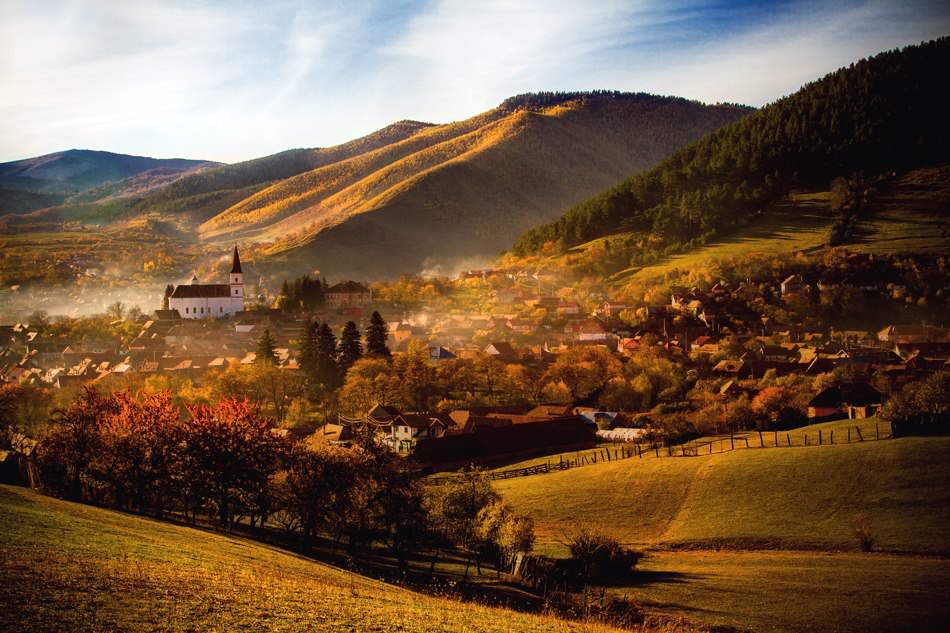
[
  {"x": 220, "y": 308},
  {"x": 186, "y": 310}
]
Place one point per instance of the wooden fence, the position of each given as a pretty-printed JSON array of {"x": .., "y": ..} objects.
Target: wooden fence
[{"x": 724, "y": 444}]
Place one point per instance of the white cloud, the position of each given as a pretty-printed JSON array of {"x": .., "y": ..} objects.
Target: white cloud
[{"x": 229, "y": 82}]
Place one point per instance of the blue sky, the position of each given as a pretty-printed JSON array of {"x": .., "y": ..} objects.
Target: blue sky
[{"x": 230, "y": 81}]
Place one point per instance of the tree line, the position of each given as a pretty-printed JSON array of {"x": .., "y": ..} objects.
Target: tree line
[{"x": 224, "y": 462}]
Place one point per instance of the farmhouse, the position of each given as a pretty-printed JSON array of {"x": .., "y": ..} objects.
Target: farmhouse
[
  {"x": 348, "y": 294},
  {"x": 200, "y": 301}
]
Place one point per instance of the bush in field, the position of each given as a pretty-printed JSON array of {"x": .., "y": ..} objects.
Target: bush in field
[{"x": 600, "y": 558}]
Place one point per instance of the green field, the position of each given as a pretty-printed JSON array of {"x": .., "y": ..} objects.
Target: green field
[
  {"x": 775, "y": 497},
  {"x": 798, "y": 591},
  {"x": 69, "y": 567},
  {"x": 763, "y": 538}
]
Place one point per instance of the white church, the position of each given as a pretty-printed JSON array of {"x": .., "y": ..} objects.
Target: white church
[{"x": 200, "y": 301}]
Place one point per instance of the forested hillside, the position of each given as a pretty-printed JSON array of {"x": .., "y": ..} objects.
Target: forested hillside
[{"x": 883, "y": 114}]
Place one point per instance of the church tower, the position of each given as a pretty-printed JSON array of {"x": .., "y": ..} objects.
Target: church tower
[{"x": 237, "y": 278}]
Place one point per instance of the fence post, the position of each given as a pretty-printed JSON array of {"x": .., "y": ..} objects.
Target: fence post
[
  {"x": 732, "y": 442},
  {"x": 831, "y": 436},
  {"x": 761, "y": 442},
  {"x": 819, "y": 437},
  {"x": 746, "y": 438},
  {"x": 806, "y": 439},
  {"x": 849, "y": 435},
  {"x": 776, "y": 438},
  {"x": 877, "y": 432},
  {"x": 860, "y": 436},
  {"x": 788, "y": 438}
]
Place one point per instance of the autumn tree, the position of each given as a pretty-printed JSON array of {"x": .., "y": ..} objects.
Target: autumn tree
[
  {"x": 454, "y": 510},
  {"x": 229, "y": 453},
  {"x": 67, "y": 446},
  {"x": 137, "y": 453}
]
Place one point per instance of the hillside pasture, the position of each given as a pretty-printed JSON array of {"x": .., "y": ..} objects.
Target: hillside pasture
[
  {"x": 785, "y": 498},
  {"x": 69, "y": 567}
]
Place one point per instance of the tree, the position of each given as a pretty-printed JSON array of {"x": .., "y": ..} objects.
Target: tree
[
  {"x": 137, "y": 455},
  {"x": 455, "y": 508},
  {"x": 229, "y": 454},
  {"x": 328, "y": 373},
  {"x": 351, "y": 348},
  {"x": 169, "y": 290},
  {"x": 309, "y": 361},
  {"x": 376, "y": 337},
  {"x": 116, "y": 310},
  {"x": 68, "y": 445},
  {"x": 266, "y": 352}
]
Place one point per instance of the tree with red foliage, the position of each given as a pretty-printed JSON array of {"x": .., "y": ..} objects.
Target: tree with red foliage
[
  {"x": 68, "y": 445},
  {"x": 139, "y": 445},
  {"x": 229, "y": 455}
]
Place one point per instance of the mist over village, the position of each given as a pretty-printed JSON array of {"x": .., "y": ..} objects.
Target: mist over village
[{"x": 474, "y": 316}]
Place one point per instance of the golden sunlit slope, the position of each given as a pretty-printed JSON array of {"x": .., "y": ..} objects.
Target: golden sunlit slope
[
  {"x": 70, "y": 567},
  {"x": 454, "y": 194}
]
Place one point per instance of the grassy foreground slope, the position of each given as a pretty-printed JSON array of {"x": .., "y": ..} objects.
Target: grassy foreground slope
[
  {"x": 71, "y": 567},
  {"x": 775, "y": 497}
]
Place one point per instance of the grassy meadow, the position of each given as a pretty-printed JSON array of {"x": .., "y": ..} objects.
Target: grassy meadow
[
  {"x": 764, "y": 538},
  {"x": 70, "y": 567}
]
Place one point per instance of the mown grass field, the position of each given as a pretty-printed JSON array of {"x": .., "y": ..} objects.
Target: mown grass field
[
  {"x": 799, "y": 497},
  {"x": 69, "y": 567},
  {"x": 764, "y": 538},
  {"x": 798, "y": 591}
]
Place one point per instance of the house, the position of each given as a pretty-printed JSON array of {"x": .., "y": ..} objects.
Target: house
[
  {"x": 200, "y": 301},
  {"x": 439, "y": 355},
  {"x": 568, "y": 308},
  {"x": 855, "y": 400},
  {"x": 502, "y": 351},
  {"x": 405, "y": 429},
  {"x": 591, "y": 330},
  {"x": 904, "y": 334},
  {"x": 731, "y": 389},
  {"x": 348, "y": 294},
  {"x": 793, "y": 284}
]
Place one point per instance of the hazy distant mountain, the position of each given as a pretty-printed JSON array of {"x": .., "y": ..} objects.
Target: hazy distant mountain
[
  {"x": 79, "y": 169},
  {"x": 52, "y": 178},
  {"x": 451, "y": 194}
]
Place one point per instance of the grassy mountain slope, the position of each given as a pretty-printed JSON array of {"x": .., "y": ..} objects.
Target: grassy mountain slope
[
  {"x": 456, "y": 192},
  {"x": 880, "y": 115},
  {"x": 774, "y": 498},
  {"x": 217, "y": 189},
  {"x": 910, "y": 213},
  {"x": 73, "y": 567}
]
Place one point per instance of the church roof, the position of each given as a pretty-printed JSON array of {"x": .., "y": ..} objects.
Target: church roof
[
  {"x": 201, "y": 291},
  {"x": 236, "y": 265}
]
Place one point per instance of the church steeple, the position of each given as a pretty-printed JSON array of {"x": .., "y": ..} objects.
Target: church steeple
[
  {"x": 236, "y": 266},
  {"x": 237, "y": 278}
]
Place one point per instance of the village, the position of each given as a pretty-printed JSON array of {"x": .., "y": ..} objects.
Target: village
[{"x": 526, "y": 343}]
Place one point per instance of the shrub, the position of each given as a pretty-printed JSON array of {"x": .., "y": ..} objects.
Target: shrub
[{"x": 598, "y": 557}]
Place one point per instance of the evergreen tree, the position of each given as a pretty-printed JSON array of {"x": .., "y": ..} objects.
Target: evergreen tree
[
  {"x": 376, "y": 335},
  {"x": 351, "y": 348},
  {"x": 266, "y": 349},
  {"x": 328, "y": 372},
  {"x": 307, "y": 351},
  {"x": 169, "y": 289}
]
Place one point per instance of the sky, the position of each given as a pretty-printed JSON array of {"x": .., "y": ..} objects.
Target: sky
[{"x": 230, "y": 81}]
